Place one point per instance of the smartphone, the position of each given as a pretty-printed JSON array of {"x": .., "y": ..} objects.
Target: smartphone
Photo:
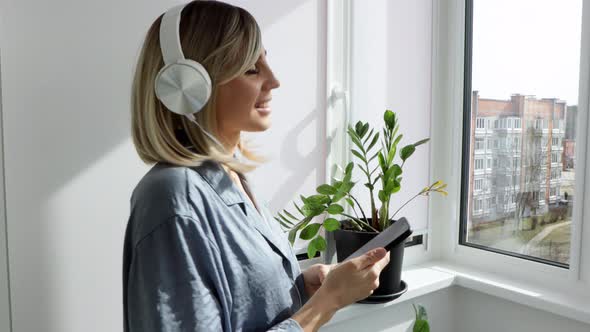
[{"x": 398, "y": 232}]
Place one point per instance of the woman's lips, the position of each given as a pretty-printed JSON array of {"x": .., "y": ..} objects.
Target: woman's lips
[{"x": 263, "y": 108}]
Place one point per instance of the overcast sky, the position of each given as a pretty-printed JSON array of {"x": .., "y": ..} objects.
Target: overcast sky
[{"x": 527, "y": 46}]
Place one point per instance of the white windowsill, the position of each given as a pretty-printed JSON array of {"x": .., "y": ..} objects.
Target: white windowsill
[{"x": 434, "y": 276}]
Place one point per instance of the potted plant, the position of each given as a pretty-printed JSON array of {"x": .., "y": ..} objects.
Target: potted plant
[
  {"x": 421, "y": 322},
  {"x": 355, "y": 230}
]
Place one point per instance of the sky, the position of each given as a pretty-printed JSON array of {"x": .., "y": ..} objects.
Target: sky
[{"x": 530, "y": 47}]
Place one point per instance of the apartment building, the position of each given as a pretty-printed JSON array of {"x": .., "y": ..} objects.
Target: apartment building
[{"x": 516, "y": 156}]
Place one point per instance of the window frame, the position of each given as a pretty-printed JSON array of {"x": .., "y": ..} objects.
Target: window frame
[{"x": 449, "y": 38}]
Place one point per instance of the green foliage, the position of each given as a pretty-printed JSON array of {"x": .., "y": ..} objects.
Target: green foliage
[
  {"x": 421, "y": 323},
  {"x": 377, "y": 163}
]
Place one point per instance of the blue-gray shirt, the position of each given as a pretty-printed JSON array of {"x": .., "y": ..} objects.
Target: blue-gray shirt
[{"x": 198, "y": 256}]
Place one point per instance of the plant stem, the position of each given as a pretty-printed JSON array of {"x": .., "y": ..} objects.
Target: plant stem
[
  {"x": 356, "y": 220},
  {"x": 360, "y": 208},
  {"x": 406, "y": 203}
]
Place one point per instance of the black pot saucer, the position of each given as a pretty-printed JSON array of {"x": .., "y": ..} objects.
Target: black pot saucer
[{"x": 387, "y": 297}]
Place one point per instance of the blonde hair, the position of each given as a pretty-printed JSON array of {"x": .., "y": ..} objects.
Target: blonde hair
[{"x": 226, "y": 40}]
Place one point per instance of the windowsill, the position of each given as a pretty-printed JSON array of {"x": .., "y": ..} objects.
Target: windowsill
[{"x": 434, "y": 276}]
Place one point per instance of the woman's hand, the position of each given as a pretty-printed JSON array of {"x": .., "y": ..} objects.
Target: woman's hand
[
  {"x": 314, "y": 276},
  {"x": 355, "y": 279},
  {"x": 345, "y": 283}
]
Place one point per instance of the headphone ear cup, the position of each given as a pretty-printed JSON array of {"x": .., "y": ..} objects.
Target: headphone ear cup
[{"x": 184, "y": 87}]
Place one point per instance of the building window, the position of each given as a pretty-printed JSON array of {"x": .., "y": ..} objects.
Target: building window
[
  {"x": 480, "y": 123},
  {"x": 478, "y": 164},
  {"x": 477, "y": 205},
  {"x": 519, "y": 180},
  {"x": 516, "y": 143},
  {"x": 479, "y": 144},
  {"x": 478, "y": 184}
]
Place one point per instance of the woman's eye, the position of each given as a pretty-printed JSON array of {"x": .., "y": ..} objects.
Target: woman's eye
[{"x": 252, "y": 71}]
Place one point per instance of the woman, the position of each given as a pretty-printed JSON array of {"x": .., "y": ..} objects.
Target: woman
[{"x": 200, "y": 253}]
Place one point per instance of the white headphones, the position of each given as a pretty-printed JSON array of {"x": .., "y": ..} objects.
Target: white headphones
[{"x": 182, "y": 85}]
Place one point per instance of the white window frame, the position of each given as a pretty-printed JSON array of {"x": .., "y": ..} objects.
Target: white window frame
[{"x": 447, "y": 119}]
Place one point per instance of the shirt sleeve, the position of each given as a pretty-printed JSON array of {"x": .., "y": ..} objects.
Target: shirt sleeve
[{"x": 176, "y": 285}]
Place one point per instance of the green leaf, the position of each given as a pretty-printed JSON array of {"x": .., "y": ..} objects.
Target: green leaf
[
  {"x": 354, "y": 138},
  {"x": 363, "y": 170},
  {"x": 374, "y": 156},
  {"x": 359, "y": 155},
  {"x": 364, "y": 130},
  {"x": 298, "y": 209},
  {"x": 382, "y": 196},
  {"x": 368, "y": 137},
  {"x": 311, "y": 250},
  {"x": 358, "y": 128},
  {"x": 382, "y": 161},
  {"x": 421, "y": 326},
  {"x": 391, "y": 154},
  {"x": 283, "y": 223},
  {"x": 292, "y": 235},
  {"x": 397, "y": 139},
  {"x": 397, "y": 170},
  {"x": 407, "y": 151},
  {"x": 335, "y": 209},
  {"x": 389, "y": 118},
  {"x": 320, "y": 243},
  {"x": 350, "y": 202},
  {"x": 349, "y": 168},
  {"x": 374, "y": 169},
  {"x": 374, "y": 141},
  {"x": 288, "y": 214},
  {"x": 331, "y": 224},
  {"x": 316, "y": 200},
  {"x": 287, "y": 221},
  {"x": 310, "y": 231},
  {"x": 389, "y": 186},
  {"x": 312, "y": 211},
  {"x": 326, "y": 189},
  {"x": 420, "y": 142}
]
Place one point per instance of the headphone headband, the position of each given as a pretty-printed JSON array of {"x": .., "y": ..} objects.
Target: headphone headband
[{"x": 170, "y": 35}]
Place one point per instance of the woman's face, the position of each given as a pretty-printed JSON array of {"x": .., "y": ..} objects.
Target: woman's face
[{"x": 243, "y": 104}]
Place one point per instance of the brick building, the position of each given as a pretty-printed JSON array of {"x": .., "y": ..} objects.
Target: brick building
[{"x": 515, "y": 156}]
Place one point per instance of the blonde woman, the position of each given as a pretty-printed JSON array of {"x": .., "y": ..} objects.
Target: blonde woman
[{"x": 200, "y": 253}]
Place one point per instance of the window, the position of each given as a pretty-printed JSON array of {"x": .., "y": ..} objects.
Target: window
[
  {"x": 489, "y": 163},
  {"x": 480, "y": 123},
  {"x": 477, "y": 205},
  {"x": 531, "y": 102},
  {"x": 479, "y": 184},
  {"x": 516, "y": 163},
  {"x": 555, "y": 174},
  {"x": 478, "y": 164},
  {"x": 479, "y": 144},
  {"x": 516, "y": 143}
]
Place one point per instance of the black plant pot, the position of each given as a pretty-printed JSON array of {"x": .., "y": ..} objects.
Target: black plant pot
[{"x": 390, "y": 284}]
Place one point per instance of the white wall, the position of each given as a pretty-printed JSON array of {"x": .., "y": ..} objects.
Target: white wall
[
  {"x": 391, "y": 69},
  {"x": 458, "y": 309},
  {"x": 400, "y": 317},
  {"x": 474, "y": 311},
  {"x": 70, "y": 165}
]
